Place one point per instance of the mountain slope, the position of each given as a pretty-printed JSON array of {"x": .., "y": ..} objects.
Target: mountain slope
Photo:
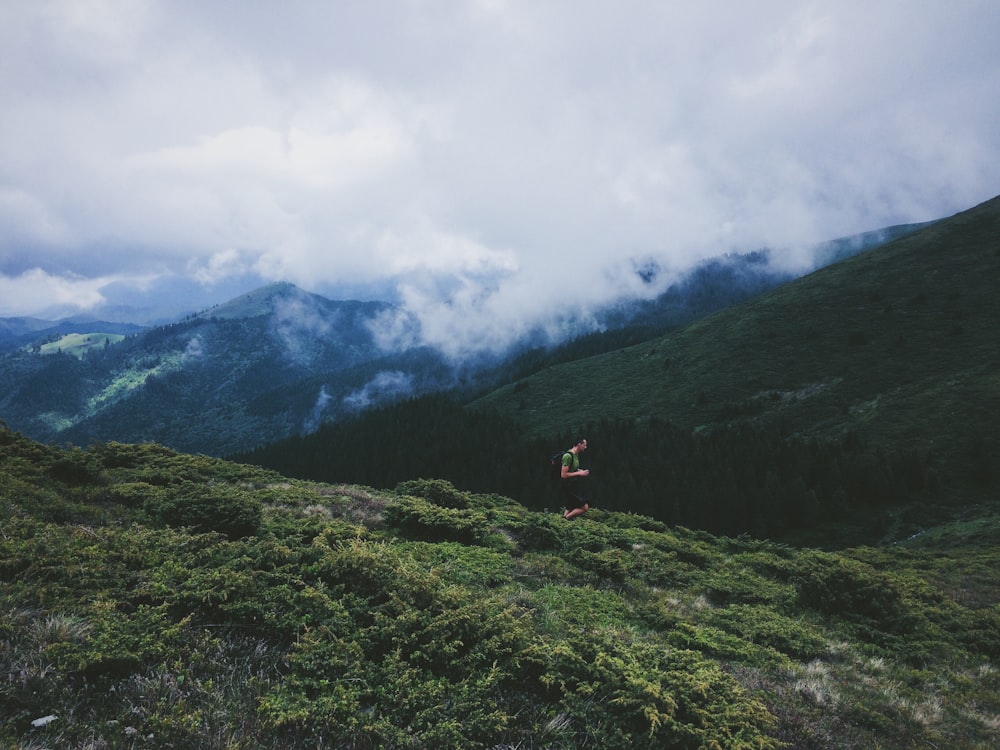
[
  {"x": 711, "y": 285},
  {"x": 897, "y": 344},
  {"x": 193, "y": 602},
  {"x": 252, "y": 370},
  {"x": 19, "y": 332}
]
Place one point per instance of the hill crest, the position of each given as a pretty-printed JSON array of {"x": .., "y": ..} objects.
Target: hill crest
[{"x": 284, "y": 299}]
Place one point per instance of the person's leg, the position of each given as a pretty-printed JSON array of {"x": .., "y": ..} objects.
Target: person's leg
[
  {"x": 569, "y": 500},
  {"x": 575, "y": 505}
]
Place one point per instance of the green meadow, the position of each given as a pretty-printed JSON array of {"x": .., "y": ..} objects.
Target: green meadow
[
  {"x": 158, "y": 599},
  {"x": 78, "y": 344}
]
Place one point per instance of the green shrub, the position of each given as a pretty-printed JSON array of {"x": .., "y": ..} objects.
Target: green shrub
[
  {"x": 982, "y": 634},
  {"x": 136, "y": 494},
  {"x": 438, "y": 491},
  {"x": 608, "y": 565},
  {"x": 717, "y": 642},
  {"x": 569, "y": 611},
  {"x": 638, "y": 695},
  {"x": 75, "y": 467},
  {"x": 539, "y": 535},
  {"x": 847, "y": 588},
  {"x": 429, "y": 522},
  {"x": 226, "y": 510},
  {"x": 737, "y": 581},
  {"x": 418, "y": 661},
  {"x": 463, "y": 564},
  {"x": 763, "y": 626}
]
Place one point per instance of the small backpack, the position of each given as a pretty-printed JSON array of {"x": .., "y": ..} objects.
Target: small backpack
[{"x": 555, "y": 464}]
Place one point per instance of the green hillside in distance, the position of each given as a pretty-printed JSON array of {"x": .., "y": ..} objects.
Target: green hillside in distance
[
  {"x": 150, "y": 598},
  {"x": 898, "y": 345},
  {"x": 77, "y": 344},
  {"x": 241, "y": 373}
]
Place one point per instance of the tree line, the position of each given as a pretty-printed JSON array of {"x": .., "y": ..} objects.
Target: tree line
[{"x": 727, "y": 479}]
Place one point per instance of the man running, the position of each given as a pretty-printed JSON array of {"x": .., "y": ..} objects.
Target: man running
[{"x": 569, "y": 479}]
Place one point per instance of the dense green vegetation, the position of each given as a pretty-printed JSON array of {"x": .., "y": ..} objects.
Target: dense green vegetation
[
  {"x": 737, "y": 479},
  {"x": 155, "y": 599}
]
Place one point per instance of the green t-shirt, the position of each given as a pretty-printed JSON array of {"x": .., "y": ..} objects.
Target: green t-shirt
[{"x": 572, "y": 461}]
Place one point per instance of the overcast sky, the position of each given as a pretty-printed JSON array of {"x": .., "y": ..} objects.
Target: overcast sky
[{"x": 490, "y": 161}]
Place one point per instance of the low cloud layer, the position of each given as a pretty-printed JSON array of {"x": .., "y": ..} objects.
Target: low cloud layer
[
  {"x": 384, "y": 386},
  {"x": 491, "y": 164}
]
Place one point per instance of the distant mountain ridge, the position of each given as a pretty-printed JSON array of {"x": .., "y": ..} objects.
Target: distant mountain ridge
[
  {"x": 844, "y": 247},
  {"x": 273, "y": 298},
  {"x": 239, "y": 374}
]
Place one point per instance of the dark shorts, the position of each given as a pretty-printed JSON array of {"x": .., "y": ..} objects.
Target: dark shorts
[{"x": 571, "y": 497}]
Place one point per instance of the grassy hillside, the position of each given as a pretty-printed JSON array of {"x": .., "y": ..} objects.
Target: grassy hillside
[
  {"x": 898, "y": 345},
  {"x": 16, "y": 333},
  {"x": 78, "y": 344},
  {"x": 155, "y": 599}
]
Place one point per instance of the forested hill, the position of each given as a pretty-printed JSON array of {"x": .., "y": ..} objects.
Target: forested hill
[
  {"x": 156, "y": 599},
  {"x": 896, "y": 343},
  {"x": 266, "y": 365},
  {"x": 895, "y": 349},
  {"x": 866, "y": 391}
]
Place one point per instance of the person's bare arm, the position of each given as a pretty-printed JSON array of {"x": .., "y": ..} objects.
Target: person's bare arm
[{"x": 567, "y": 473}]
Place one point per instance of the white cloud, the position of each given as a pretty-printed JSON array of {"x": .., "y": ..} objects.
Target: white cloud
[
  {"x": 195, "y": 348},
  {"x": 498, "y": 160},
  {"x": 28, "y": 219},
  {"x": 385, "y": 385},
  {"x": 98, "y": 31},
  {"x": 223, "y": 264},
  {"x": 36, "y": 290},
  {"x": 354, "y": 136}
]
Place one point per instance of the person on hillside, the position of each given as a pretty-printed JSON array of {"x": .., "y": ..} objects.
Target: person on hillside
[{"x": 569, "y": 479}]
